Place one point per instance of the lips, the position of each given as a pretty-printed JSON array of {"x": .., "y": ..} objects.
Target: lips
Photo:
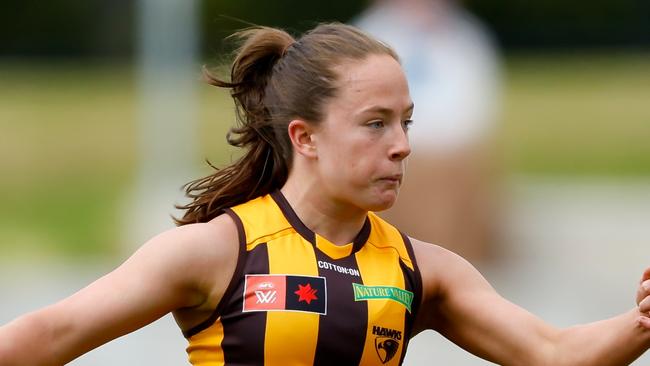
[{"x": 396, "y": 178}]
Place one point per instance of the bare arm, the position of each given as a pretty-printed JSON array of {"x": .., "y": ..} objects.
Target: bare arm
[
  {"x": 171, "y": 271},
  {"x": 461, "y": 305}
]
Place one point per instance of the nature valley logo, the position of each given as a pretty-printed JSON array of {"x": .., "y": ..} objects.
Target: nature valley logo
[{"x": 362, "y": 292}]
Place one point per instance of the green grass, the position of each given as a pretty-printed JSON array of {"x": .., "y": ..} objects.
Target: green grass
[
  {"x": 76, "y": 218},
  {"x": 68, "y": 154},
  {"x": 577, "y": 115}
]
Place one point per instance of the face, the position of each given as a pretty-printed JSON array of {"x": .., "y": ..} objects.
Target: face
[{"x": 362, "y": 142}]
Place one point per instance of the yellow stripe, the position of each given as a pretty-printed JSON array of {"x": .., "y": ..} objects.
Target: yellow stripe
[
  {"x": 262, "y": 220},
  {"x": 291, "y": 335},
  {"x": 332, "y": 250},
  {"x": 385, "y": 235},
  {"x": 202, "y": 350},
  {"x": 378, "y": 268},
  {"x": 267, "y": 238}
]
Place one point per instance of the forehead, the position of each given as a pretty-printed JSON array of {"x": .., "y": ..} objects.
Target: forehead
[{"x": 378, "y": 80}]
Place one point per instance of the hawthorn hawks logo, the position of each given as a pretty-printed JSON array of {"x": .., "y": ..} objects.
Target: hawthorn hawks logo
[
  {"x": 387, "y": 342},
  {"x": 285, "y": 293}
]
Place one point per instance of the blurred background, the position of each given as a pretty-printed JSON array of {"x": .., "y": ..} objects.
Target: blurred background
[{"x": 103, "y": 116}]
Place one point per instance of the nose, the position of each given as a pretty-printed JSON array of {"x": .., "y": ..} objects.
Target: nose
[{"x": 400, "y": 147}]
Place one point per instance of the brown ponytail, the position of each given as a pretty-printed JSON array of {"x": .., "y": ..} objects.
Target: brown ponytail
[{"x": 273, "y": 80}]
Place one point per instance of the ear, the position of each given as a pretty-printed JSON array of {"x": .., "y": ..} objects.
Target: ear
[{"x": 301, "y": 135}]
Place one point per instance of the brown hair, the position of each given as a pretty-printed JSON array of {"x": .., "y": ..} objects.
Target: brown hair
[{"x": 274, "y": 79}]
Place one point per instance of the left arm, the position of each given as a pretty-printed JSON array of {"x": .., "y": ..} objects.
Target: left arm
[{"x": 460, "y": 304}]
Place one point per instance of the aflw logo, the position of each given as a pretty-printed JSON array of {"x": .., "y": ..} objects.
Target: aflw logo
[
  {"x": 280, "y": 292},
  {"x": 265, "y": 293},
  {"x": 266, "y": 297}
]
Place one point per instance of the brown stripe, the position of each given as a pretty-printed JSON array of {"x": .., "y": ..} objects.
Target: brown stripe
[
  {"x": 413, "y": 283},
  {"x": 414, "y": 278},
  {"x": 342, "y": 332},
  {"x": 243, "y": 341},
  {"x": 362, "y": 236},
  {"x": 241, "y": 258},
  {"x": 302, "y": 229},
  {"x": 292, "y": 217}
]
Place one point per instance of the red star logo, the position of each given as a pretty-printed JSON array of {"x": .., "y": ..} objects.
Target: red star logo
[{"x": 306, "y": 293}]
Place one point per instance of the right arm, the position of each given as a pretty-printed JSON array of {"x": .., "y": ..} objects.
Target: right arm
[
  {"x": 461, "y": 305},
  {"x": 174, "y": 270}
]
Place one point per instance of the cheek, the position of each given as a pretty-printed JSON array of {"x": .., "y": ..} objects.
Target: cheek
[
  {"x": 354, "y": 164},
  {"x": 348, "y": 157}
]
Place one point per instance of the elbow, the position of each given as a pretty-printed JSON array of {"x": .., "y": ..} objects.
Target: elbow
[{"x": 547, "y": 351}]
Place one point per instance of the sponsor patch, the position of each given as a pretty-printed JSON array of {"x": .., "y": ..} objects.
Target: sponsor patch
[
  {"x": 285, "y": 293},
  {"x": 339, "y": 269},
  {"x": 362, "y": 293}
]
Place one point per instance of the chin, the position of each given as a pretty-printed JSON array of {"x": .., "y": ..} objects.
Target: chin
[
  {"x": 381, "y": 208},
  {"x": 382, "y": 203}
]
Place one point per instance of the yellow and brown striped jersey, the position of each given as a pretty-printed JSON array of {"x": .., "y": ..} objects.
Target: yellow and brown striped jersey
[{"x": 298, "y": 299}]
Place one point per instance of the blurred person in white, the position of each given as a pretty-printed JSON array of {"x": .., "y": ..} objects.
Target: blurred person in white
[{"x": 452, "y": 66}]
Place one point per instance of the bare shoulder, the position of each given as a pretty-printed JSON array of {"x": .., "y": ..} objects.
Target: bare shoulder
[
  {"x": 199, "y": 254},
  {"x": 445, "y": 276},
  {"x": 187, "y": 267},
  {"x": 199, "y": 242},
  {"x": 214, "y": 252},
  {"x": 440, "y": 266},
  {"x": 434, "y": 262}
]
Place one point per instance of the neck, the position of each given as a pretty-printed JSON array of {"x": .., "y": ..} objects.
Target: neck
[{"x": 337, "y": 221}]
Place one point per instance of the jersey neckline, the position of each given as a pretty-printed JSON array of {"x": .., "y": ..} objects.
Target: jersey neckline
[{"x": 330, "y": 249}]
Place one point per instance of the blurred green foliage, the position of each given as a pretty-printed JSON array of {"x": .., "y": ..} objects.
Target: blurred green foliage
[
  {"x": 67, "y": 28},
  {"x": 107, "y": 28},
  {"x": 221, "y": 18},
  {"x": 562, "y": 24}
]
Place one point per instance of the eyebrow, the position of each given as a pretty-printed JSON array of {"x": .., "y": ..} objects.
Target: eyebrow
[{"x": 384, "y": 110}]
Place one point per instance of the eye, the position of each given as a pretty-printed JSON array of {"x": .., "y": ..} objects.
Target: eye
[
  {"x": 376, "y": 124},
  {"x": 407, "y": 123}
]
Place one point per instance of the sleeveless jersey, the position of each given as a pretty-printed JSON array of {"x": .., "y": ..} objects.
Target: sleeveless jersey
[{"x": 297, "y": 299}]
